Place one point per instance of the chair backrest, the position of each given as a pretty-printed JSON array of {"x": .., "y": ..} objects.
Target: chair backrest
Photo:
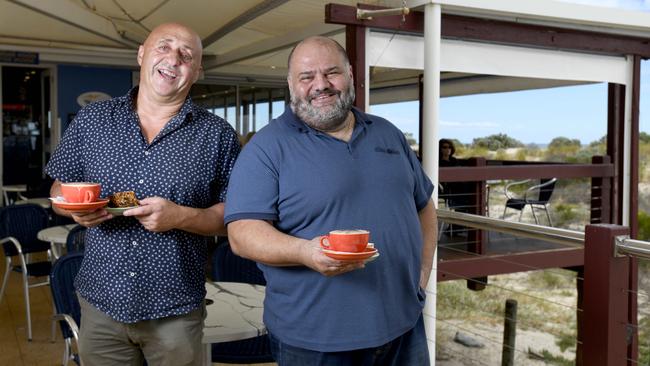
[
  {"x": 62, "y": 277},
  {"x": 76, "y": 239},
  {"x": 22, "y": 222},
  {"x": 546, "y": 191},
  {"x": 227, "y": 266}
]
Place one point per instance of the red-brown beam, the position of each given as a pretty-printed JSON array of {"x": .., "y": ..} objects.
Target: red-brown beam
[
  {"x": 468, "y": 174},
  {"x": 468, "y": 28},
  {"x": 355, "y": 46},
  {"x": 633, "y": 283}
]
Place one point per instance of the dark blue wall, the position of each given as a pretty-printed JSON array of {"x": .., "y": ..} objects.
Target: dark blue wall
[{"x": 75, "y": 80}]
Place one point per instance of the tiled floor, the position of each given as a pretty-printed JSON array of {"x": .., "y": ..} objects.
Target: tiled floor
[{"x": 14, "y": 347}]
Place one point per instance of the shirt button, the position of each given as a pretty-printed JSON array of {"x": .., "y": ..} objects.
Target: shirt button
[
  {"x": 135, "y": 243},
  {"x": 141, "y": 181},
  {"x": 146, "y": 152},
  {"x": 132, "y": 274}
]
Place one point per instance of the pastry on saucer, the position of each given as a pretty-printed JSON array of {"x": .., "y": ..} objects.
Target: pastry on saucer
[{"x": 123, "y": 199}]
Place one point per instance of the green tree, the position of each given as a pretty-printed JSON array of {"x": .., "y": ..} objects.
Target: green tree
[
  {"x": 457, "y": 143},
  {"x": 564, "y": 149},
  {"x": 410, "y": 139},
  {"x": 600, "y": 141},
  {"x": 598, "y": 147},
  {"x": 496, "y": 142},
  {"x": 644, "y": 137},
  {"x": 644, "y": 226},
  {"x": 564, "y": 142}
]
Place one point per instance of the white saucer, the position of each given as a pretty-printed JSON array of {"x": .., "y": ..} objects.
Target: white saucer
[{"x": 117, "y": 211}]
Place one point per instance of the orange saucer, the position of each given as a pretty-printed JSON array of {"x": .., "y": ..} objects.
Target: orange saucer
[
  {"x": 80, "y": 207},
  {"x": 348, "y": 256}
]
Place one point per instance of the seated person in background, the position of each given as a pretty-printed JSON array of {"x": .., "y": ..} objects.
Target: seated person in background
[
  {"x": 457, "y": 195},
  {"x": 447, "y": 151}
]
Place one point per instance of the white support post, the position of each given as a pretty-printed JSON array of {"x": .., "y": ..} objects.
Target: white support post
[
  {"x": 627, "y": 143},
  {"x": 430, "y": 108}
]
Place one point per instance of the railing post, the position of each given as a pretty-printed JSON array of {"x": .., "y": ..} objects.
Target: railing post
[
  {"x": 605, "y": 305},
  {"x": 580, "y": 322},
  {"x": 477, "y": 238},
  {"x": 601, "y": 195},
  {"x": 509, "y": 333}
]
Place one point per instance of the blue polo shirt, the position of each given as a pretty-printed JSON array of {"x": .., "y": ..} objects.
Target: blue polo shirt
[
  {"x": 128, "y": 272},
  {"x": 309, "y": 183}
]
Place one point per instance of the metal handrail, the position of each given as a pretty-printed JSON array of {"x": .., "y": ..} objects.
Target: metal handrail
[
  {"x": 632, "y": 247},
  {"x": 561, "y": 236}
]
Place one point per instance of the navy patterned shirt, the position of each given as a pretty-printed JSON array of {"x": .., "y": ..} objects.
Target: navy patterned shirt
[{"x": 130, "y": 273}]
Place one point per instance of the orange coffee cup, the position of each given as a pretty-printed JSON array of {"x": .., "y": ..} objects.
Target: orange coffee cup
[
  {"x": 353, "y": 241},
  {"x": 81, "y": 192}
]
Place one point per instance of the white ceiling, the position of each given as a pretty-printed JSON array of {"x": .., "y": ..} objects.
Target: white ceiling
[
  {"x": 245, "y": 41},
  {"x": 242, "y": 38}
]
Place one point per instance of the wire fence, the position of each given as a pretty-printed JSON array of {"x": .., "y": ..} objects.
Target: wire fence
[
  {"x": 547, "y": 297},
  {"x": 487, "y": 307}
]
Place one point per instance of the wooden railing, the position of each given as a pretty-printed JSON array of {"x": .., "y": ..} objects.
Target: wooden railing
[{"x": 606, "y": 323}]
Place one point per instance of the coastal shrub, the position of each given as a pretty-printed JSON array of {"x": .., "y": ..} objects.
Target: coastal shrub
[
  {"x": 565, "y": 214},
  {"x": 644, "y": 226}
]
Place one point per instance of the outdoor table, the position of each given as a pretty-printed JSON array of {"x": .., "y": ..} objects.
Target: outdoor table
[
  {"x": 41, "y": 201},
  {"x": 56, "y": 236},
  {"x": 234, "y": 312},
  {"x": 14, "y": 188}
]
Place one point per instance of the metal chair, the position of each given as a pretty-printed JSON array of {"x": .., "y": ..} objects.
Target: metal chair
[
  {"x": 66, "y": 303},
  {"x": 442, "y": 226},
  {"x": 19, "y": 225},
  {"x": 537, "y": 196},
  {"x": 76, "y": 240},
  {"x": 456, "y": 196},
  {"x": 227, "y": 266}
]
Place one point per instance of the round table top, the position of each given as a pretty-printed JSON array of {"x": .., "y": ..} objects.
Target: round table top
[
  {"x": 235, "y": 312},
  {"x": 15, "y": 188},
  {"x": 55, "y": 234},
  {"x": 43, "y": 202}
]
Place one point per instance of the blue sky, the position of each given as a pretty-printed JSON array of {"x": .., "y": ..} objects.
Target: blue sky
[{"x": 534, "y": 116}]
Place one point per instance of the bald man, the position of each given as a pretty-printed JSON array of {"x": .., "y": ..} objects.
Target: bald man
[
  {"x": 141, "y": 284},
  {"x": 321, "y": 166}
]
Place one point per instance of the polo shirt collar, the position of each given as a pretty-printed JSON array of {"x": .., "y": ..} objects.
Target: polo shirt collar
[{"x": 361, "y": 121}]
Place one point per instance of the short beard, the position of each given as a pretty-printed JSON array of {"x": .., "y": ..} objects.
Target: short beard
[{"x": 324, "y": 119}]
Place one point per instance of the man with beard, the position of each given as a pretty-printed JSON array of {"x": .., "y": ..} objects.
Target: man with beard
[{"x": 322, "y": 166}]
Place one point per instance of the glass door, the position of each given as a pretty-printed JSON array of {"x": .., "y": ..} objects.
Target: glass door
[{"x": 25, "y": 107}]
